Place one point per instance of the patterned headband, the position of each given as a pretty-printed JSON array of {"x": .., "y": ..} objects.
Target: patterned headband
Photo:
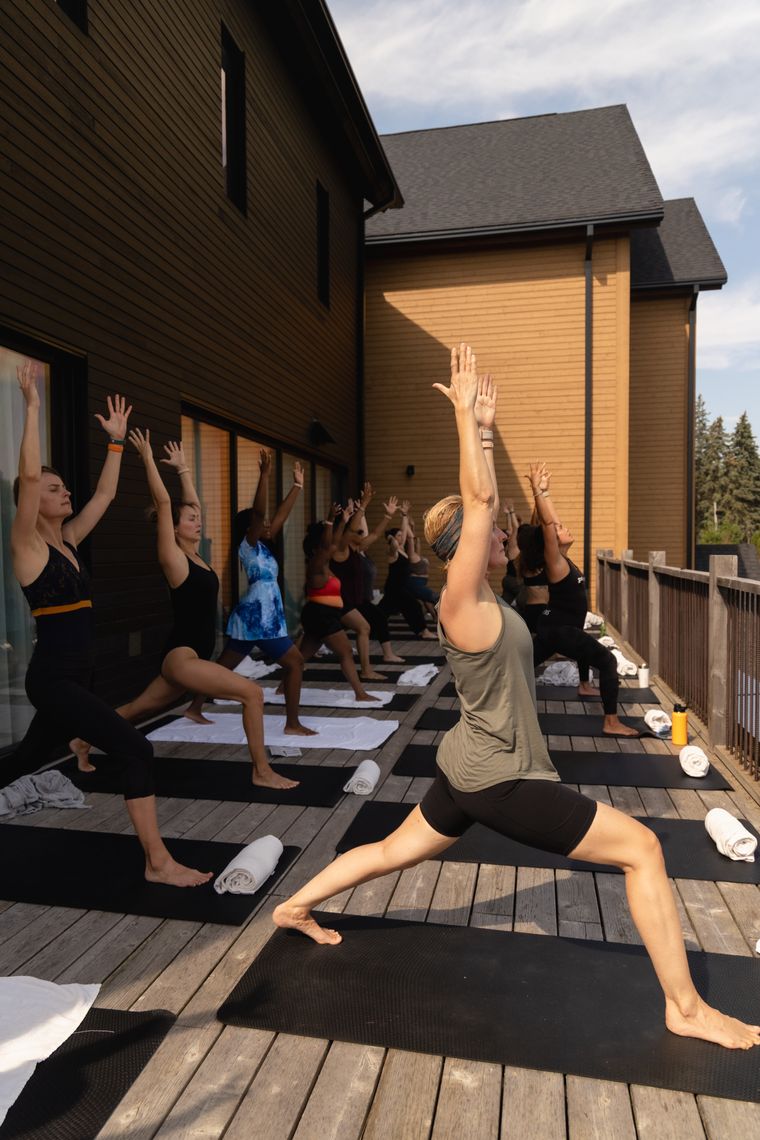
[{"x": 445, "y": 545}]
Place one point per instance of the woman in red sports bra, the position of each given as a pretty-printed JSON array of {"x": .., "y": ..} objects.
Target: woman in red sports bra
[{"x": 324, "y": 613}]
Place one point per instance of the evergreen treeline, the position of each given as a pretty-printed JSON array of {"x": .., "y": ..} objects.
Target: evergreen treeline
[{"x": 727, "y": 481}]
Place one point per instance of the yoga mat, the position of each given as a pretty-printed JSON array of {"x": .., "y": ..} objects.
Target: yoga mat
[
  {"x": 356, "y": 733},
  {"x": 615, "y": 769},
  {"x": 95, "y": 870},
  {"x": 399, "y": 702},
  {"x": 71, "y": 1095},
  {"x": 552, "y": 724},
  {"x": 196, "y": 779},
  {"x": 593, "y": 1009},
  {"x": 570, "y": 693},
  {"x": 689, "y": 852},
  {"x": 332, "y": 675}
]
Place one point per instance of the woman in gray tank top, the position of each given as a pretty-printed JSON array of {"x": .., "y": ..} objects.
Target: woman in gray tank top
[{"x": 493, "y": 767}]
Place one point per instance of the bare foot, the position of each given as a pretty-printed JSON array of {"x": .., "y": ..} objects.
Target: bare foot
[
  {"x": 426, "y": 635},
  {"x": 280, "y": 689},
  {"x": 373, "y": 676},
  {"x": 298, "y": 918},
  {"x": 81, "y": 750},
  {"x": 299, "y": 729},
  {"x": 710, "y": 1024},
  {"x": 613, "y": 726},
  {"x": 393, "y": 660},
  {"x": 268, "y": 778},
  {"x": 587, "y": 690},
  {"x": 198, "y": 717},
  {"x": 362, "y": 696},
  {"x": 175, "y": 875}
]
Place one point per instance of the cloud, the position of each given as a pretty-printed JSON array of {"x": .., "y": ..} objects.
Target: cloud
[{"x": 728, "y": 328}]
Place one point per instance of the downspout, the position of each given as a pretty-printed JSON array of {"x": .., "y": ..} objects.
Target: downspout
[
  {"x": 589, "y": 400},
  {"x": 360, "y": 452},
  {"x": 691, "y": 411}
]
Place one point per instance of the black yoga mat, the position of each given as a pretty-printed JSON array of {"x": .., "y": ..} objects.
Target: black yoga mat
[
  {"x": 689, "y": 851},
  {"x": 95, "y": 870},
  {"x": 399, "y": 702},
  {"x": 552, "y": 724},
  {"x": 570, "y": 693},
  {"x": 222, "y": 780},
  {"x": 593, "y": 1009},
  {"x": 615, "y": 769},
  {"x": 71, "y": 1095}
]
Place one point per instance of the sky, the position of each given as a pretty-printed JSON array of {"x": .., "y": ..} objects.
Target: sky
[{"x": 688, "y": 71}]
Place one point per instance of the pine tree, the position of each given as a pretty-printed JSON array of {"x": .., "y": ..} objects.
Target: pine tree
[
  {"x": 714, "y": 492},
  {"x": 703, "y": 504},
  {"x": 743, "y": 477}
]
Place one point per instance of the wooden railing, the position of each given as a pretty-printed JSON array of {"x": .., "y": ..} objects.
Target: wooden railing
[{"x": 700, "y": 633}]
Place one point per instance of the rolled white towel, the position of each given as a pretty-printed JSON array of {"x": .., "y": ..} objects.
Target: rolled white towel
[
  {"x": 730, "y": 835},
  {"x": 560, "y": 673},
  {"x": 658, "y": 722},
  {"x": 364, "y": 779},
  {"x": 694, "y": 761},
  {"x": 625, "y": 668},
  {"x": 608, "y": 641},
  {"x": 593, "y": 621},
  {"x": 251, "y": 867},
  {"x": 419, "y": 675}
]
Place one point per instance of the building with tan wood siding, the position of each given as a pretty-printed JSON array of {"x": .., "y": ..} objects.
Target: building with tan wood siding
[{"x": 525, "y": 238}]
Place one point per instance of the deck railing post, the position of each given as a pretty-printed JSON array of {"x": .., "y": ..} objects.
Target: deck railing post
[
  {"x": 656, "y": 558},
  {"x": 721, "y": 566},
  {"x": 624, "y": 617}
]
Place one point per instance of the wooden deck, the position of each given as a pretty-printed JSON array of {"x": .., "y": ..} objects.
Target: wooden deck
[{"x": 208, "y": 1081}]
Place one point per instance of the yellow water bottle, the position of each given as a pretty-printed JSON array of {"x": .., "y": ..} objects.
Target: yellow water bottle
[{"x": 680, "y": 731}]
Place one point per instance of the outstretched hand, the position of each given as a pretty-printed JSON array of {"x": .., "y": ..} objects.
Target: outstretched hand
[
  {"x": 366, "y": 496},
  {"x": 175, "y": 456},
  {"x": 141, "y": 443},
  {"x": 265, "y": 461},
  {"x": 463, "y": 389},
  {"x": 485, "y": 405},
  {"x": 297, "y": 474},
  {"x": 118, "y": 414},
  {"x": 391, "y": 506},
  {"x": 28, "y": 378},
  {"x": 539, "y": 477}
]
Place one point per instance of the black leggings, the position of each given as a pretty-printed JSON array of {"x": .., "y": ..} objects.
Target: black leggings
[
  {"x": 58, "y": 687},
  {"x": 403, "y": 603},
  {"x": 584, "y": 649},
  {"x": 378, "y": 622},
  {"x": 542, "y": 813}
]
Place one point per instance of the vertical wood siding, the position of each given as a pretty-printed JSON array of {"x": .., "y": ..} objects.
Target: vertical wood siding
[
  {"x": 120, "y": 241},
  {"x": 659, "y": 375}
]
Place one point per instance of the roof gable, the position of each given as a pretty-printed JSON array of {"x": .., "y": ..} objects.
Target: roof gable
[{"x": 679, "y": 252}]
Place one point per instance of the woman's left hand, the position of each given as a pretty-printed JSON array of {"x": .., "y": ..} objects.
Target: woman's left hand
[
  {"x": 463, "y": 390},
  {"x": 175, "y": 455},
  {"x": 485, "y": 405},
  {"x": 118, "y": 414},
  {"x": 297, "y": 474}
]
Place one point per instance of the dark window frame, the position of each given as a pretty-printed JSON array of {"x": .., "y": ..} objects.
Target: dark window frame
[
  {"x": 323, "y": 244},
  {"x": 233, "y": 121},
  {"x": 76, "y": 10}
]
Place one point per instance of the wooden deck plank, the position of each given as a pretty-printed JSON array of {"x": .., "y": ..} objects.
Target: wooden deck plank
[
  {"x": 597, "y": 1109},
  {"x": 404, "y": 1102},
  {"x": 535, "y": 902},
  {"x": 662, "y": 1114},
  {"x": 280, "y": 1089},
  {"x": 452, "y": 899},
  {"x": 414, "y": 892},
  {"x": 342, "y": 1095},
  {"x": 533, "y": 1105},
  {"x": 743, "y": 902},
  {"x": 724, "y": 1119},
  {"x": 469, "y": 1101},
  {"x": 711, "y": 918},
  {"x": 577, "y": 905}
]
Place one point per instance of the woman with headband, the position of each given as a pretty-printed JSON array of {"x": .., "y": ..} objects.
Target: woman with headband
[{"x": 493, "y": 767}]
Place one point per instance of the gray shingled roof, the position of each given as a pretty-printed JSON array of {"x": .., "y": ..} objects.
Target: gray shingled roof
[
  {"x": 679, "y": 252},
  {"x": 514, "y": 174}
]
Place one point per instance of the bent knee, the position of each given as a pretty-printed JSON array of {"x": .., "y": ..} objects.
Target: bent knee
[{"x": 646, "y": 849}]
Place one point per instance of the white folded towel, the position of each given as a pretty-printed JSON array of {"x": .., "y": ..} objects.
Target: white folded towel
[
  {"x": 560, "y": 673},
  {"x": 625, "y": 668},
  {"x": 608, "y": 641},
  {"x": 730, "y": 835},
  {"x": 356, "y": 733},
  {"x": 283, "y": 751},
  {"x": 251, "y": 867},
  {"x": 255, "y": 669},
  {"x": 658, "y": 722},
  {"x": 364, "y": 779},
  {"x": 329, "y": 698},
  {"x": 35, "y": 1018},
  {"x": 694, "y": 761},
  {"x": 42, "y": 790},
  {"x": 593, "y": 621},
  {"x": 419, "y": 675}
]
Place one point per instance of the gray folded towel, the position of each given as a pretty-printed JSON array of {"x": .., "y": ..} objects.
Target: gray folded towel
[{"x": 44, "y": 789}]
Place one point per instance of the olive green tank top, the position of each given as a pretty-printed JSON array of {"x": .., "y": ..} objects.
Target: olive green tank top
[{"x": 497, "y": 737}]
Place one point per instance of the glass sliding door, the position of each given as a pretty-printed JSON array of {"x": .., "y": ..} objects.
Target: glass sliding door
[
  {"x": 248, "y": 453},
  {"x": 293, "y": 562},
  {"x": 207, "y": 450}
]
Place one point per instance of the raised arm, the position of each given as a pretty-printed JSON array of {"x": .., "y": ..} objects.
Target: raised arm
[
  {"x": 173, "y": 561},
  {"x": 390, "y": 507},
  {"x": 485, "y": 414},
  {"x": 469, "y": 611},
  {"x": 287, "y": 504},
  {"x": 115, "y": 427},
  {"x": 175, "y": 458},
  {"x": 557, "y": 566},
  {"x": 25, "y": 540},
  {"x": 512, "y": 522}
]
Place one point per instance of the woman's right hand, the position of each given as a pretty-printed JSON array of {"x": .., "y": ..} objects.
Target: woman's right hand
[
  {"x": 265, "y": 461},
  {"x": 463, "y": 389},
  {"x": 141, "y": 443},
  {"x": 539, "y": 477},
  {"x": 391, "y": 506},
  {"x": 27, "y": 374}
]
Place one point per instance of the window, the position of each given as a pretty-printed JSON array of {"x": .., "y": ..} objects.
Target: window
[
  {"x": 76, "y": 10},
  {"x": 293, "y": 562},
  {"x": 207, "y": 450},
  {"x": 323, "y": 245},
  {"x": 233, "y": 120},
  {"x": 248, "y": 452}
]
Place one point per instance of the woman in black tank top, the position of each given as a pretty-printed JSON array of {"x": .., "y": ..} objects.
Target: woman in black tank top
[
  {"x": 44, "y": 540},
  {"x": 559, "y": 628},
  {"x": 488, "y": 648},
  {"x": 194, "y": 588}
]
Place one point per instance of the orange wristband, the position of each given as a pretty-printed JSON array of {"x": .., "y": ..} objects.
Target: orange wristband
[{"x": 118, "y": 447}]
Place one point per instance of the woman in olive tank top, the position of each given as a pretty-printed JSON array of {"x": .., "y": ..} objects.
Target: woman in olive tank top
[{"x": 493, "y": 767}]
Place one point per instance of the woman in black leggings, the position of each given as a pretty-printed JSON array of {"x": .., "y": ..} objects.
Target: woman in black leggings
[
  {"x": 44, "y": 540},
  {"x": 493, "y": 767},
  {"x": 559, "y": 628}
]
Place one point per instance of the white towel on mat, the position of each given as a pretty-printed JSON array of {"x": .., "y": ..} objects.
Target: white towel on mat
[
  {"x": 608, "y": 641},
  {"x": 625, "y": 668},
  {"x": 330, "y": 698},
  {"x": 560, "y": 673},
  {"x": 357, "y": 733},
  {"x": 255, "y": 669},
  {"x": 35, "y": 1018},
  {"x": 593, "y": 621},
  {"x": 419, "y": 675},
  {"x": 28, "y": 794},
  {"x": 730, "y": 835},
  {"x": 364, "y": 779},
  {"x": 693, "y": 760},
  {"x": 658, "y": 722},
  {"x": 251, "y": 867}
]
